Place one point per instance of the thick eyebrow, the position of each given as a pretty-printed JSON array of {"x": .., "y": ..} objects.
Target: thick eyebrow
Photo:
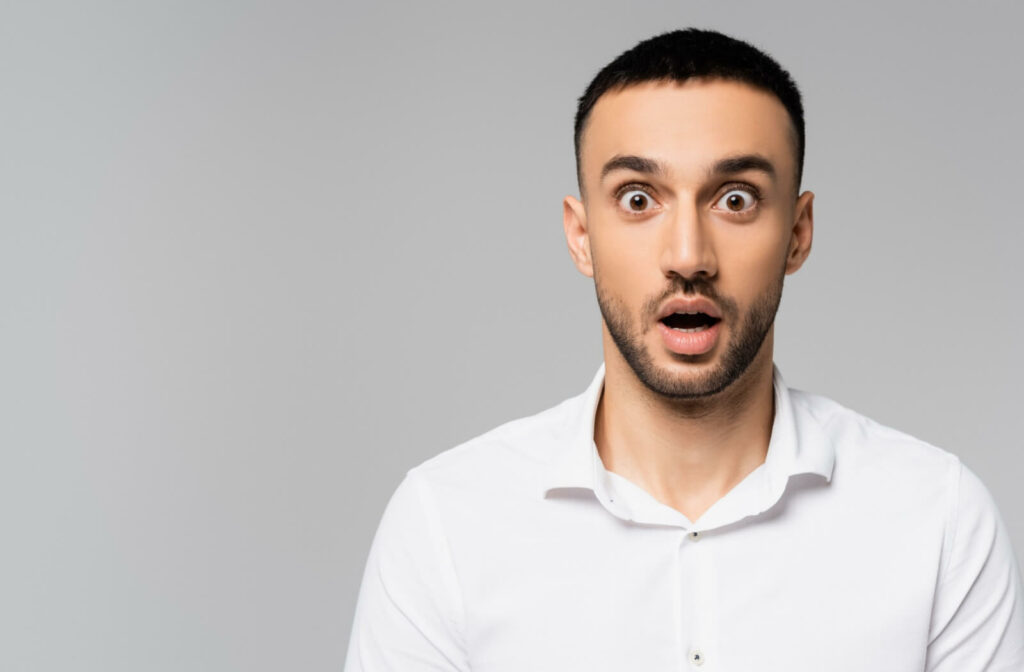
[
  {"x": 728, "y": 165},
  {"x": 738, "y": 164},
  {"x": 639, "y": 164}
]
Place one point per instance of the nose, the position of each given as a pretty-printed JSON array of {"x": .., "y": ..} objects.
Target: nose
[{"x": 687, "y": 245}]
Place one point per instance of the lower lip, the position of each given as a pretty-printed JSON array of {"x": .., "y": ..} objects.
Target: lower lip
[{"x": 689, "y": 342}]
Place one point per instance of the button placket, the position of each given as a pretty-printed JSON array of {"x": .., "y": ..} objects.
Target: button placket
[{"x": 701, "y": 632}]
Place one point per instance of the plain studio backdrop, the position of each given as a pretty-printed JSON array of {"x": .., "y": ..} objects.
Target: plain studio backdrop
[{"x": 257, "y": 259}]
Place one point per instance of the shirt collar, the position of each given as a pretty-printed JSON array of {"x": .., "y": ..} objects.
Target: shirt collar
[{"x": 798, "y": 445}]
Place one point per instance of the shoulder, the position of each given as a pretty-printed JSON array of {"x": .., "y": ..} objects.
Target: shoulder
[
  {"x": 895, "y": 480},
  {"x": 891, "y": 470},
  {"x": 508, "y": 456},
  {"x": 934, "y": 517},
  {"x": 863, "y": 444}
]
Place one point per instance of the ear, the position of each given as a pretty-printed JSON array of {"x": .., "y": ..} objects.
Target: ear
[
  {"x": 802, "y": 234},
  {"x": 574, "y": 221}
]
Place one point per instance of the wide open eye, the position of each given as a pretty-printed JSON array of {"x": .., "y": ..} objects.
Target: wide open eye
[
  {"x": 737, "y": 200},
  {"x": 636, "y": 200}
]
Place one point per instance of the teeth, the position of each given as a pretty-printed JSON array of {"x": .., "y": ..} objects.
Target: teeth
[{"x": 690, "y": 331}]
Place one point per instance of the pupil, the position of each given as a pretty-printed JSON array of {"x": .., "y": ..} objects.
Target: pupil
[
  {"x": 637, "y": 202},
  {"x": 735, "y": 202}
]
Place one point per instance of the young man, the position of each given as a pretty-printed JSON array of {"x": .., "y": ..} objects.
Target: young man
[{"x": 688, "y": 509}]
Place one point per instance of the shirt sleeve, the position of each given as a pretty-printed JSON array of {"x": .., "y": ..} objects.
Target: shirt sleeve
[
  {"x": 409, "y": 615},
  {"x": 978, "y": 614}
]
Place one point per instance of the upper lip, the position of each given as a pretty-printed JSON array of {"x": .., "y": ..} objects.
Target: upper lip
[{"x": 696, "y": 304}]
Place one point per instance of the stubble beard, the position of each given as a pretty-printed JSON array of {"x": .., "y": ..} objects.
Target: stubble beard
[{"x": 744, "y": 344}]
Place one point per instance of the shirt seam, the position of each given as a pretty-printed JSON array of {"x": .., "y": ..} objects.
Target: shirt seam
[
  {"x": 954, "y": 513},
  {"x": 449, "y": 574},
  {"x": 952, "y": 529}
]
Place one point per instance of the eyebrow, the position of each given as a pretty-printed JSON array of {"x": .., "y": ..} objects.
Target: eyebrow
[
  {"x": 730, "y": 164},
  {"x": 738, "y": 164},
  {"x": 638, "y": 164}
]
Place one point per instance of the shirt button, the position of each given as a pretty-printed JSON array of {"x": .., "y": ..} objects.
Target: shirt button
[
  {"x": 694, "y": 536},
  {"x": 696, "y": 657}
]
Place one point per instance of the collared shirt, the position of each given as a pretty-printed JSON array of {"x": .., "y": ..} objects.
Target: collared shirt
[{"x": 853, "y": 547}]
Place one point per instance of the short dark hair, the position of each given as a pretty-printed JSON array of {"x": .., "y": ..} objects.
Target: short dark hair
[{"x": 692, "y": 53}]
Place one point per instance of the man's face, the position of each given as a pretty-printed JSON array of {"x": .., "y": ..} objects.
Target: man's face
[{"x": 689, "y": 210}]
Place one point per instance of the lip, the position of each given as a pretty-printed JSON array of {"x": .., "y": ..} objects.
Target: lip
[
  {"x": 696, "y": 304},
  {"x": 689, "y": 343}
]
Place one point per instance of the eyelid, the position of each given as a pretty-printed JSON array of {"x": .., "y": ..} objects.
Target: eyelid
[
  {"x": 723, "y": 190},
  {"x": 740, "y": 186},
  {"x": 636, "y": 186},
  {"x": 633, "y": 186}
]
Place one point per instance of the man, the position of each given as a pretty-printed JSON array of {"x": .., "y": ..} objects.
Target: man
[{"x": 688, "y": 509}]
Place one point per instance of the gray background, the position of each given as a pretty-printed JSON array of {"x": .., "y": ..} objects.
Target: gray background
[{"x": 258, "y": 259}]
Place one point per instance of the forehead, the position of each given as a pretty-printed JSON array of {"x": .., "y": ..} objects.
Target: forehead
[{"x": 688, "y": 126}]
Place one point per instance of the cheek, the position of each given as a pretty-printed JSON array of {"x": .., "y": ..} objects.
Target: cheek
[
  {"x": 751, "y": 258},
  {"x": 624, "y": 258}
]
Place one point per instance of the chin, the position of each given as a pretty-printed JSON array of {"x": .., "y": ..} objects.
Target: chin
[{"x": 685, "y": 380}]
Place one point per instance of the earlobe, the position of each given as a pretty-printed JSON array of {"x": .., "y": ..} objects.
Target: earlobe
[
  {"x": 802, "y": 233},
  {"x": 577, "y": 236}
]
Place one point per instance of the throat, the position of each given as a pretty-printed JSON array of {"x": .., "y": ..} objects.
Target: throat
[{"x": 685, "y": 460}]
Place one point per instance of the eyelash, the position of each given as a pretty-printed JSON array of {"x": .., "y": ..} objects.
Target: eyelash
[
  {"x": 726, "y": 188},
  {"x": 749, "y": 188},
  {"x": 625, "y": 189}
]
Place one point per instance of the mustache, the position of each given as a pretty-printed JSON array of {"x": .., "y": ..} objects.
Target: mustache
[{"x": 698, "y": 285}]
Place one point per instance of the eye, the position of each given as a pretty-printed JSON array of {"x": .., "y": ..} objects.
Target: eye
[
  {"x": 636, "y": 200},
  {"x": 737, "y": 200}
]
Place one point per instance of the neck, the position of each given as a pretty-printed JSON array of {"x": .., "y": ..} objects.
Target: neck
[{"x": 685, "y": 453}]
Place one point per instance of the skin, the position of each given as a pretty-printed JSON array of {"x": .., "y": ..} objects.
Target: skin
[{"x": 687, "y": 428}]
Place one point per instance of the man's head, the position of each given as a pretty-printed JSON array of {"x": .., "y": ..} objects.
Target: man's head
[{"x": 689, "y": 152}]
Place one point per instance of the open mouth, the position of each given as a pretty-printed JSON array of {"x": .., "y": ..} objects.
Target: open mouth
[{"x": 690, "y": 322}]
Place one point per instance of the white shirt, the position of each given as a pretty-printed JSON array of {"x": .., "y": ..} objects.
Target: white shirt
[{"x": 854, "y": 547}]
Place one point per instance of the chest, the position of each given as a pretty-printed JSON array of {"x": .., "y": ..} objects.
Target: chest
[{"x": 605, "y": 595}]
